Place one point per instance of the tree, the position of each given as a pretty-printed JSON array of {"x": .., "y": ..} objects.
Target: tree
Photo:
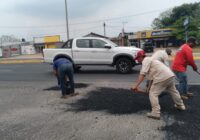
[
  {"x": 163, "y": 20},
  {"x": 176, "y": 17}
]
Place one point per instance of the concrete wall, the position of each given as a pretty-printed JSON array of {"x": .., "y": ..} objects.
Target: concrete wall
[
  {"x": 51, "y": 39},
  {"x": 28, "y": 49},
  {"x": 11, "y": 50},
  {"x": 1, "y": 54}
]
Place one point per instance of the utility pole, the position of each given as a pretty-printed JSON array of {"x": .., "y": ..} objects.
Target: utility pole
[
  {"x": 123, "y": 33},
  {"x": 104, "y": 29},
  {"x": 66, "y": 13},
  {"x": 1, "y": 42},
  {"x": 122, "y": 36}
]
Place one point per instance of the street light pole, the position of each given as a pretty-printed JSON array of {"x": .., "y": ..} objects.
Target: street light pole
[{"x": 66, "y": 13}]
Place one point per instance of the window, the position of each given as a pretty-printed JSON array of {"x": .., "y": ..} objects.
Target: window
[
  {"x": 83, "y": 43},
  {"x": 68, "y": 44},
  {"x": 98, "y": 43}
]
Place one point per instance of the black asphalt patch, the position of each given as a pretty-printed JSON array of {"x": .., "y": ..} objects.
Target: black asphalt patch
[
  {"x": 187, "y": 123},
  {"x": 77, "y": 85},
  {"x": 103, "y": 71},
  {"x": 185, "y": 126},
  {"x": 114, "y": 101}
]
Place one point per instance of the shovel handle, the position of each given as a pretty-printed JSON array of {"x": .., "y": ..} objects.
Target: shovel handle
[
  {"x": 198, "y": 72},
  {"x": 139, "y": 91}
]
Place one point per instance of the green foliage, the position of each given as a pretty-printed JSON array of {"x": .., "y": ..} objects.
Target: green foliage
[{"x": 175, "y": 17}]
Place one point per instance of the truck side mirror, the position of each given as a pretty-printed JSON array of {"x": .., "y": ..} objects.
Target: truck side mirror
[{"x": 107, "y": 46}]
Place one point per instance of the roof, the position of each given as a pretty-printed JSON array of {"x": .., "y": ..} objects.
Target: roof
[
  {"x": 95, "y": 35},
  {"x": 11, "y": 43},
  {"x": 7, "y": 44}
]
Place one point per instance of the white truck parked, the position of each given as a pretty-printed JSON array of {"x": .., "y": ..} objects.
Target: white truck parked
[{"x": 95, "y": 51}]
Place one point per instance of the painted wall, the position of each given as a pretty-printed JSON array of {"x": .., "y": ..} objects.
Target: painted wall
[
  {"x": 51, "y": 45},
  {"x": 51, "y": 39},
  {"x": 1, "y": 55},
  {"x": 47, "y": 41},
  {"x": 29, "y": 49},
  {"x": 38, "y": 39}
]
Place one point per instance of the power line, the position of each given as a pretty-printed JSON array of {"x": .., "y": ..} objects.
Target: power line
[
  {"x": 119, "y": 29},
  {"x": 76, "y": 30},
  {"x": 116, "y": 18},
  {"x": 87, "y": 22},
  {"x": 47, "y": 26}
]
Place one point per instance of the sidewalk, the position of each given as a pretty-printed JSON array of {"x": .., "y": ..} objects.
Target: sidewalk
[{"x": 29, "y": 58}]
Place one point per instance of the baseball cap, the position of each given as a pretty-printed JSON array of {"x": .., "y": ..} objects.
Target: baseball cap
[{"x": 140, "y": 54}]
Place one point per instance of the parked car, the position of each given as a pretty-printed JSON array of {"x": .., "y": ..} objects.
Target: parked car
[
  {"x": 148, "y": 47},
  {"x": 95, "y": 51}
]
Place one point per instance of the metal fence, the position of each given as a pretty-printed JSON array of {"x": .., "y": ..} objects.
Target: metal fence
[{"x": 9, "y": 51}]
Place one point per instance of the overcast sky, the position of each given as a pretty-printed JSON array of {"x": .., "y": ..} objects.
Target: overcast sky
[{"x": 36, "y": 18}]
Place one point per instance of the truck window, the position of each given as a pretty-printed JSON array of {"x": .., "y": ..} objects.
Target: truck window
[
  {"x": 98, "y": 43},
  {"x": 68, "y": 44},
  {"x": 83, "y": 43}
]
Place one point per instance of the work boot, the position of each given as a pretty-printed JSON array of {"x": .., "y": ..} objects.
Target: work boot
[
  {"x": 184, "y": 97},
  {"x": 153, "y": 116},
  {"x": 64, "y": 96},
  {"x": 180, "y": 107},
  {"x": 73, "y": 94},
  {"x": 189, "y": 94},
  {"x": 69, "y": 95}
]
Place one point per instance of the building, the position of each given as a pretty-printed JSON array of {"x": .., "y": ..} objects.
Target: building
[
  {"x": 95, "y": 35},
  {"x": 16, "y": 48},
  {"x": 46, "y": 42},
  {"x": 159, "y": 38},
  {"x": 120, "y": 40}
]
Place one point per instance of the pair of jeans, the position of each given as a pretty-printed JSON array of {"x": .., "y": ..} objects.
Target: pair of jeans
[
  {"x": 66, "y": 70},
  {"x": 183, "y": 83}
]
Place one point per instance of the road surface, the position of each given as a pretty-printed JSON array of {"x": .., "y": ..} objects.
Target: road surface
[{"x": 31, "y": 108}]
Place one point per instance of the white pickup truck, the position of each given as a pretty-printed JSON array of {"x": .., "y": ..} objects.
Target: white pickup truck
[{"x": 95, "y": 51}]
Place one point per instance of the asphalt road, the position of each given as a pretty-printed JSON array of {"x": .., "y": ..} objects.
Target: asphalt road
[
  {"x": 88, "y": 74},
  {"x": 31, "y": 108},
  {"x": 43, "y": 72}
]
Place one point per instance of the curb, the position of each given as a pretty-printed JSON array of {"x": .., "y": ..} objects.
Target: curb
[{"x": 21, "y": 61}]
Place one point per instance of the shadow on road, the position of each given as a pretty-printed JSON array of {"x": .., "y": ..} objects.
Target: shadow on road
[{"x": 77, "y": 85}]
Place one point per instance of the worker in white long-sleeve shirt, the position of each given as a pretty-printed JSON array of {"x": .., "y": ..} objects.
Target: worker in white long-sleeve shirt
[
  {"x": 163, "y": 79},
  {"x": 162, "y": 56}
]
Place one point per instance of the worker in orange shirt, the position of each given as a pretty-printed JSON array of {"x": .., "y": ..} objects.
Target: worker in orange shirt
[{"x": 183, "y": 58}]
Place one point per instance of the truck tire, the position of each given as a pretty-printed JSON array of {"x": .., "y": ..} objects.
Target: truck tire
[
  {"x": 124, "y": 65},
  {"x": 77, "y": 68}
]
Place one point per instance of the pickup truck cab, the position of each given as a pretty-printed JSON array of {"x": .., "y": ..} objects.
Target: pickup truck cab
[{"x": 95, "y": 51}]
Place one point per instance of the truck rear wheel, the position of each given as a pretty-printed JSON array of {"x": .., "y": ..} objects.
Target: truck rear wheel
[
  {"x": 77, "y": 68},
  {"x": 124, "y": 65}
]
